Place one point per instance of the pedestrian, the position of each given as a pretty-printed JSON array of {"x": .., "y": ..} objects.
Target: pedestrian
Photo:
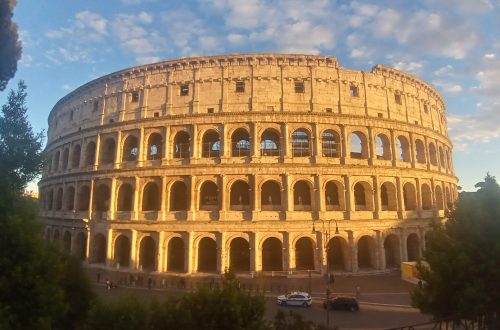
[
  {"x": 108, "y": 284},
  {"x": 358, "y": 292},
  {"x": 150, "y": 282},
  {"x": 98, "y": 277}
]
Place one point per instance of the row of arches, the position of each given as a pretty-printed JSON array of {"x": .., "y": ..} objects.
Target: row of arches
[
  {"x": 72, "y": 242},
  {"x": 271, "y": 143}
]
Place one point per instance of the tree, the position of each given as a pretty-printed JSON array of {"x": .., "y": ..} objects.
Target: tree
[
  {"x": 463, "y": 272},
  {"x": 10, "y": 51}
]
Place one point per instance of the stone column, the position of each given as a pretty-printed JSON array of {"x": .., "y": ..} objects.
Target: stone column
[
  {"x": 161, "y": 252},
  {"x": 343, "y": 138},
  {"x": 110, "y": 245},
  {"x": 377, "y": 197},
  {"x": 413, "y": 154},
  {"x": 112, "y": 199},
  {"x": 319, "y": 194},
  {"x": 286, "y": 148},
  {"x": 290, "y": 252},
  {"x": 255, "y": 142},
  {"x": 136, "y": 197},
  {"x": 288, "y": 192},
  {"x": 194, "y": 143},
  {"x": 320, "y": 248},
  {"x": 163, "y": 194},
  {"x": 380, "y": 250},
  {"x": 91, "y": 199},
  {"x": 188, "y": 255},
  {"x": 134, "y": 262},
  {"x": 225, "y": 142},
  {"x": 371, "y": 145},
  {"x": 221, "y": 252},
  {"x": 142, "y": 152},
  {"x": 193, "y": 205},
  {"x": 316, "y": 136},
  {"x": 118, "y": 151},
  {"x": 394, "y": 154},
  {"x": 418, "y": 193},
  {"x": 223, "y": 196},
  {"x": 254, "y": 181},
  {"x": 166, "y": 146},
  {"x": 354, "y": 251},
  {"x": 427, "y": 158},
  {"x": 349, "y": 197},
  {"x": 399, "y": 195},
  {"x": 97, "y": 151},
  {"x": 402, "y": 239},
  {"x": 255, "y": 263}
]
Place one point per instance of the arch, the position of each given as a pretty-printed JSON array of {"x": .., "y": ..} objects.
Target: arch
[
  {"x": 57, "y": 157},
  {"x": 155, "y": 146},
  {"x": 304, "y": 254},
  {"x": 90, "y": 153},
  {"x": 75, "y": 156},
  {"x": 420, "y": 151},
  {"x": 179, "y": 197},
  {"x": 130, "y": 149},
  {"x": 83, "y": 199},
  {"x": 70, "y": 198},
  {"x": 366, "y": 252},
  {"x": 239, "y": 196},
  {"x": 99, "y": 249},
  {"x": 270, "y": 196},
  {"x": 272, "y": 255},
  {"x": 413, "y": 247},
  {"x": 108, "y": 151},
  {"x": 210, "y": 146},
  {"x": 147, "y": 254},
  {"x": 67, "y": 241},
  {"x": 50, "y": 200},
  {"x": 439, "y": 198},
  {"x": 65, "y": 159},
  {"x": 426, "y": 197},
  {"x": 240, "y": 143},
  {"x": 332, "y": 196},
  {"x": 122, "y": 251},
  {"x": 175, "y": 255},
  {"x": 125, "y": 200},
  {"x": 403, "y": 149},
  {"x": 209, "y": 196},
  {"x": 388, "y": 197},
  {"x": 338, "y": 254},
  {"x": 80, "y": 249},
  {"x": 151, "y": 197},
  {"x": 301, "y": 196},
  {"x": 207, "y": 255},
  {"x": 270, "y": 143},
  {"x": 239, "y": 255},
  {"x": 358, "y": 145},
  {"x": 432, "y": 154},
  {"x": 59, "y": 199},
  {"x": 363, "y": 197},
  {"x": 409, "y": 197},
  {"x": 301, "y": 143},
  {"x": 330, "y": 144},
  {"x": 383, "y": 147},
  {"x": 392, "y": 251},
  {"x": 101, "y": 198},
  {"x": 182, "y": 148}
]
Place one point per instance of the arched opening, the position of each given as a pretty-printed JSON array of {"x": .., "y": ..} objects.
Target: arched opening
[
  {"x": 210, "y": 144},
  {"x": 359, "y": 146},
  {"x": 130, "y": 149},
  {"x": 363, "y": 197},
  {"x": 239, "y": 196},
  {"x": 209, "y": 196},
  {"x": 420, "y": 151},
  {"x": 182, "y": 148},
  {"x": 270, "y": 196},
  {"x": 179, "y": 197},
  {"x": 413, "y": 247},
  {"x": 147, "y": 254},
  {"x": 56, "y": 235},
  {"x": 383, "y": 147},
  {"x": 304, "y": 254},
  {"x": 67, "y": 242},
  {"x": 439, "y": 198},
  {"x": 90, "y": 154},
  {"x": 270, "y": 143},
  {"x": 409, "y": 197},
  {"x": 125, "y": 198},
  {"x": 366, "y": 252},
  {"x": 99, "y": 249},
  {"x": 426, "y": 197},
  {"x": 75, "y": 156},
  {"x": 83, "y": 198},
  {"x": 330, "y": 144},
  {"x": 239, "y": 255},
  {"x": 301, "y": 143},
  {"x": 122, "y": 251},
  {"x": 101, "y": 198},
  {"x": 155, "y": 146},
  {"x": 272, "y": 255},
  {"x": 70, "y": 198},
  {"x": 175, "y": 258},
  {"x": 57, "y": 157},
  {"x": 403, "y": 149},
  {"x": 338, "y": 254},
  {"x": 388, "y": 197},
  {"x": 301, "y": 196},
  {"x": 332, "y": 199},
  {"x": 151, "y": 197},
  {"x": 59, "y": 199},
  {"x": 432, "y": 154},
  {"x": 65, "y": 159},
  {"x": 240, "y": 143},
  {"x": 392, "y": 254},
  {"x": 50, "y": 200},
  {"x": 207, "y": 255},
  {"x": 80, "y": 249},
  {"x": 108, "y": 151}
]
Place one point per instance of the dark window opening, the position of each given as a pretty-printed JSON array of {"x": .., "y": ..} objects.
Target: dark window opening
[
  {"x": 299, "y": 87},
  {"x": 304, "y": 254},
  {"x": 301, "y": 196},
  {"x": 353, "y": 90},
  {"x": 210, "y": 110},
  {"x": 397, "y": 99},
  {"x": 300, "y": 143},
  {"x": 155, "y": 144},
  {"x": 240, "y": 143},
  {"x": 240, "y": 196},
  {"x": 330, "y": 142},
  {"x": 211, "y": 144},
  {"x": 184, "y": 89},
  {"x": 240, "y": 87},
  {"x": 135, "y": 96},
  {"x": 182, "y": 148},
  {"x": 270, "y": 143},
  {"x": 179, "y": 197},
  {"x": 151, "y": 197}
]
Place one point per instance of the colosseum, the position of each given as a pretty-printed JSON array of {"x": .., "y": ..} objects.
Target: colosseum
[{"x": 254, "y": 162}]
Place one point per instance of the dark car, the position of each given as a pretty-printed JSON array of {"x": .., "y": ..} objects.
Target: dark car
[{"x": 342, "y": 303}]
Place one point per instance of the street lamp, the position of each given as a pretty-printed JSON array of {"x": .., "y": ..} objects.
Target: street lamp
[{"x": 326, "y": 247}]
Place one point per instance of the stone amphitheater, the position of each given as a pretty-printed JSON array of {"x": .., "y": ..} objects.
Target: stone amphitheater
[{"x": 254, "y": 162}]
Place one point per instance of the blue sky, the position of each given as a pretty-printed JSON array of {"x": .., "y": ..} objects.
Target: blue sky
[{"x": 453, "y": 44}]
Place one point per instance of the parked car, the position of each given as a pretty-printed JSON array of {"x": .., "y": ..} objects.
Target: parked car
[
  {"x": 342, "y": 303},
  {"x": 295, "y": 299}
]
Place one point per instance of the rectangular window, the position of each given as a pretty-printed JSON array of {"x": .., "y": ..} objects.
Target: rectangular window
[
  {"x": 240, "y": 87},
  {"x": 328, "y": 109},
  {"x": 426, "y": 109},
  {"x": 353, "y": 90},
  {"x": 299, "y": 87},
  {"x": 96, "y": 106},
  {"x": 184, "y": 89},
  {"x": 210, "y": 110},
  {"x": 270, "y": 108},
  {"x": 71, "y": 116},
  {"x": 156, "y": 114},
  {"x": 135, "y": 96},
  {"x": 380, "y": 115},
  {"x": 397, "y": 98}
]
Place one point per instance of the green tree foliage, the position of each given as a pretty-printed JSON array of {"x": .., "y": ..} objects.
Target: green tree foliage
[
  {"x": 293, "y": 321},
  {"x": 10, "y": 49},
  {"x": 463, "y": 255},
  {"x": 122, "y": 314}
]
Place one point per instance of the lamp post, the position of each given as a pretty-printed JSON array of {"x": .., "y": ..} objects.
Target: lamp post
[{"x": 326, "y": 247}]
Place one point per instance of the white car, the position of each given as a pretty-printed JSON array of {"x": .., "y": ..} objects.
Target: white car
[{"x": 295, "y": 299}]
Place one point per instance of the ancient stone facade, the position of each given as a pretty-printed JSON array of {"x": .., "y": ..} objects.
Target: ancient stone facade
[{"x": 262, "y": 162}]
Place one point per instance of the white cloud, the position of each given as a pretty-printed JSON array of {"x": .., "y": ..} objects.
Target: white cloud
[
  {"x": 87, "y": 25},
  {"x": 488, "y": 77},
  {"x": 147, "y": 59},
  {"x": 67, "y": 87},
  {"x": 445, "y": 71},
  {"x": 489, "y": 56},
  {"x": 467, "y": 6},
  {"x": 412, "y": 67},
  {"x": 235, "y": 38},
  {"x": 447, "y": 86}
]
